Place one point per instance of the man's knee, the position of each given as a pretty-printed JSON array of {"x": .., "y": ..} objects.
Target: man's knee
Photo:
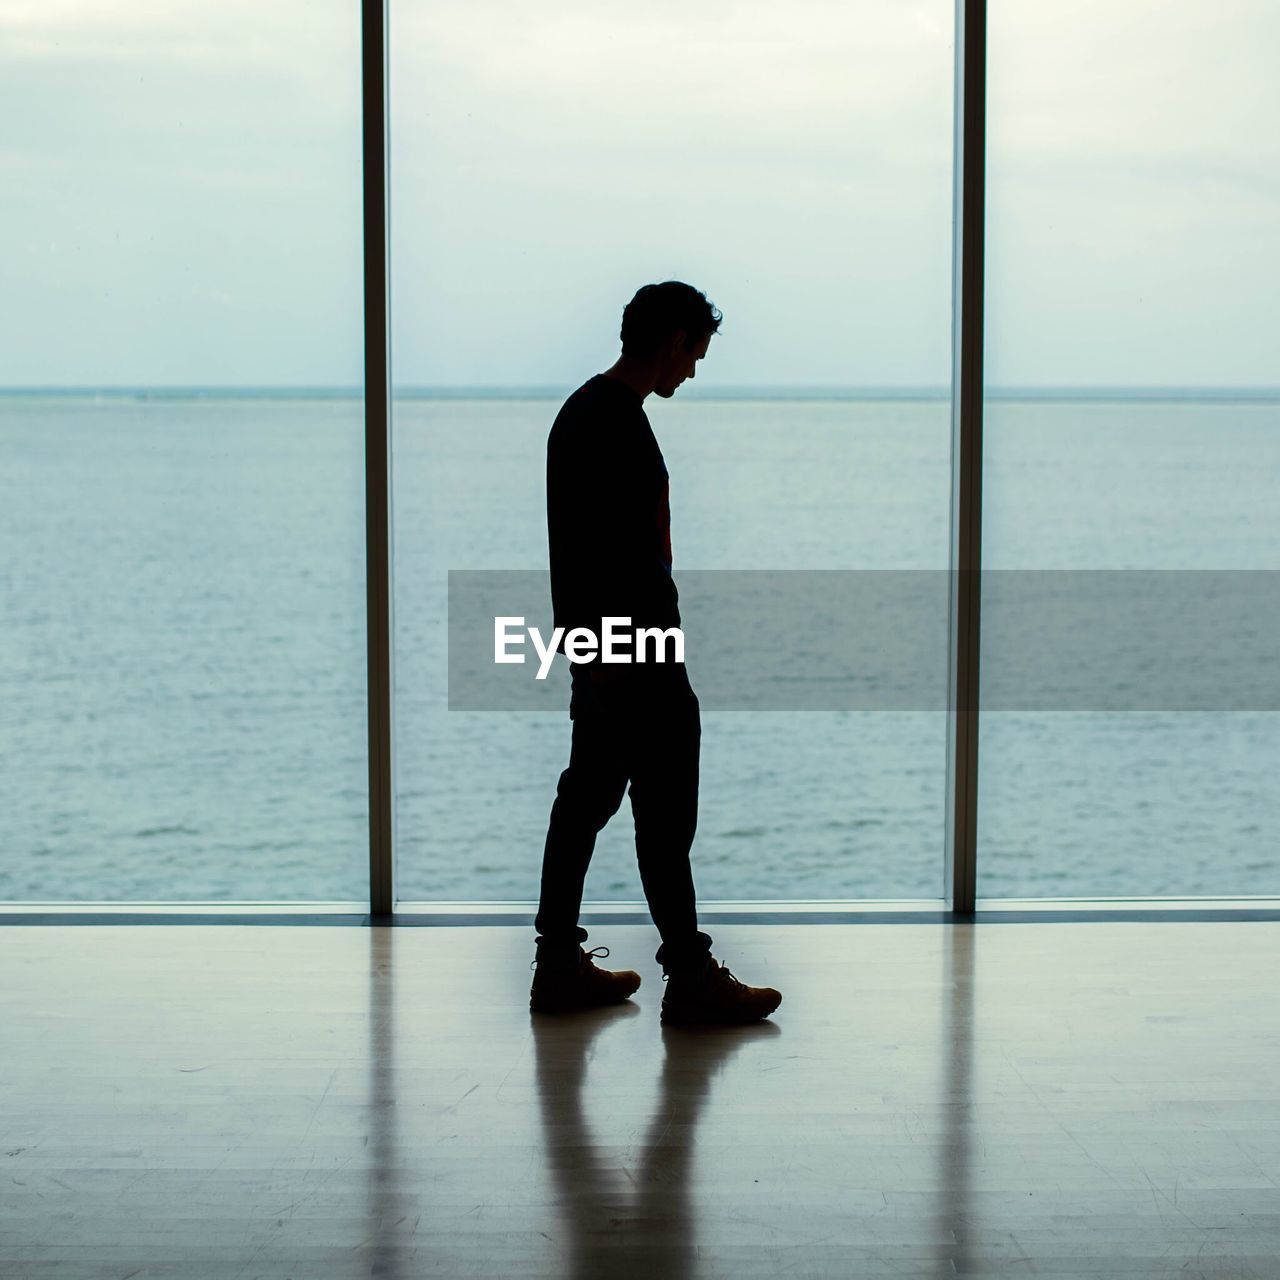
[
  {"x": 668, "y": 803},
  {"x": 590, "y": 798}
]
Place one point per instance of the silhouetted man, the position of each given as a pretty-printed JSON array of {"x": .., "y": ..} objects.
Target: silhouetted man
[{"x": 609, "y": 527}]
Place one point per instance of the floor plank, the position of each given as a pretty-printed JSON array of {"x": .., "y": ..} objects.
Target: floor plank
[{"x": 1065, "y": 1100}]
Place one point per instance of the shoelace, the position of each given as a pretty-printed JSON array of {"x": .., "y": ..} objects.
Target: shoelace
[
  {"x": 596, "y": 953},
  {"x": 722, "y": 971}
]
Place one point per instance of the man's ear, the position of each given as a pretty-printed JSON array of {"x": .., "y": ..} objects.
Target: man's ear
[{"x": 679, "y": 343}]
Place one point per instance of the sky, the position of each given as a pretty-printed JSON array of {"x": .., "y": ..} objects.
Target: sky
[{"x": 180, "y": 188}]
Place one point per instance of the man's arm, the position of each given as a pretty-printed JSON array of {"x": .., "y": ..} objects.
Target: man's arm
[{"x": 605, "y": 536}]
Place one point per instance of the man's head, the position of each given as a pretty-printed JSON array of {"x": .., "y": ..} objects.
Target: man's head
[{"x": 669, "y": 325}]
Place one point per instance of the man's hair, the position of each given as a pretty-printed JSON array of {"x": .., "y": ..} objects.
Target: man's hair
[{"x": 659, "y": 311}]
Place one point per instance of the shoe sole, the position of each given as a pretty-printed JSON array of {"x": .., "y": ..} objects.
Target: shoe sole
[
  {"x": 576, "y": 1006},
  {"x": 677, "y": 1017}
]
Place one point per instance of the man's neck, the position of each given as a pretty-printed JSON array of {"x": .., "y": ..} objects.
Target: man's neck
[{"x": 640, "y": 375}]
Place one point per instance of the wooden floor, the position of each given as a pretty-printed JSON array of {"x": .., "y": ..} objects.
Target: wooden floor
[{"x": 1061, "y": 1100}]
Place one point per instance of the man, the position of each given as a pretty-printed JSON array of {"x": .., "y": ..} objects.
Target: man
[{"x": 608, "y": 521}]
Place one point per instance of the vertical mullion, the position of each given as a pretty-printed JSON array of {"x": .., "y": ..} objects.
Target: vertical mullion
[
  {"x": 377, "y": 453},
  {"x": 966, "y": 452}
]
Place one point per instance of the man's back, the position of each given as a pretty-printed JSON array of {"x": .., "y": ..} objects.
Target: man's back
[{"x": 608, "y": 513}]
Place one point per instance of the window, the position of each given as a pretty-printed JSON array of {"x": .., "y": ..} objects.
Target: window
[
  {"x": 182, "y": 611},
  {"x": 1131, "y": 426}
]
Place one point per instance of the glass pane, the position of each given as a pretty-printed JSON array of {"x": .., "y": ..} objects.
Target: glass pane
[
  {"x": 1132, "y": 425},
  {"x": 182, "y": 604},
  {"x": 796, "y": 165}
]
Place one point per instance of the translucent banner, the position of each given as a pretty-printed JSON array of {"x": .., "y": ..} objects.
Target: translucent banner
[{"x": 875, "y": 640}]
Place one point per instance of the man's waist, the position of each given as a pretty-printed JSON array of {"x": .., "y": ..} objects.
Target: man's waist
[{"x": 653, "y": 622}]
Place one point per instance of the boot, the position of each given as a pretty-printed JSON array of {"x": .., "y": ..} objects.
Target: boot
[
  {"x": 711, "y": 994},
  {"x": 565, "y": 980}
]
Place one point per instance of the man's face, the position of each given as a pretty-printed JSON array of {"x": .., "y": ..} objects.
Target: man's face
[{"x": 680, "y": 362}]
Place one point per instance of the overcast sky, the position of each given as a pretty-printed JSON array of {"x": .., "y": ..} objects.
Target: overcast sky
[{"x": 181, "y": 193}]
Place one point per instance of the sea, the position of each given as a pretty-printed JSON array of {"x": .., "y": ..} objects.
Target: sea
[{"x": 182, "y": 647}]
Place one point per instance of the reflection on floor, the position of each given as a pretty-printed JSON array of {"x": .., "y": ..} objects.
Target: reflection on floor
[{"x": 930, "y": 1101}]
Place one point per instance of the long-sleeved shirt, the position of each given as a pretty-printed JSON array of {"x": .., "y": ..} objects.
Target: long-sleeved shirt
[{"x": 608, "y": 512}]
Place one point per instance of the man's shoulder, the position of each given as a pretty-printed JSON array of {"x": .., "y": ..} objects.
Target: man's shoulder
[
  {"x": 600, "y": 390},
  {"x": 599, "y": 401}
]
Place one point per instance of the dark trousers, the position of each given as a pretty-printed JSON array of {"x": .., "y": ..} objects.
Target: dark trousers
[{"x": 636, "y": 724}]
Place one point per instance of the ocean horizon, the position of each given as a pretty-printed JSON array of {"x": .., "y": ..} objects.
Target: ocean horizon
[
  {"x": 1121, "y": 394},
  {"x": 182, "y": 630}
]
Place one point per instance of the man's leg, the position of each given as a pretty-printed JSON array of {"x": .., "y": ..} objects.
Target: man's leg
[
  {"x": 588, "y": 795},
  {"x": 664, "y": 799}
]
